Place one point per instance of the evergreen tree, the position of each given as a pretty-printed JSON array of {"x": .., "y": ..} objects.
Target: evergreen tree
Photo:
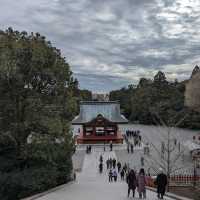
[{"x": 37, "y": 104}]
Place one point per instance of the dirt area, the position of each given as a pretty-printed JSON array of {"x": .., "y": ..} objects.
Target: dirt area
[{"x": 189, "y": 192}]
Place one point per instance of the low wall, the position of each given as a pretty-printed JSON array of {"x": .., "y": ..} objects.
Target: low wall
[{"x": 36, "y": 196}]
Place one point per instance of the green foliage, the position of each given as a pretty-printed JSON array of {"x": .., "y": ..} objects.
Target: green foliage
[
  {"x": 124, "y": 95},
  {"x": 158, "y": 97},
  {"x": 37, "y": 99}
]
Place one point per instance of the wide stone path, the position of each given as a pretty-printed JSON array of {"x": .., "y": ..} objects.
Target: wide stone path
[{"x": 90, "y": 185}]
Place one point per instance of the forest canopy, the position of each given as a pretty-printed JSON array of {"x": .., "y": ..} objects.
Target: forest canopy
[
  {"x": 157, "y": 98},
  {"x": 39, "y": 98}
]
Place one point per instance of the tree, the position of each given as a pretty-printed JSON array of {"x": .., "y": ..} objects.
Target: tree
[
  {"x": 160, "y": 78},
  {"x": 170, "y": 154},
  {"x": 124, "y": 96},
  {"x": 143, "y": 82},
  {"x": 36, "y": 88}
]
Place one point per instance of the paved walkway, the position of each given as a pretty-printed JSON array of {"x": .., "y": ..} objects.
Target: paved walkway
[{"x": 91, "y": 185}]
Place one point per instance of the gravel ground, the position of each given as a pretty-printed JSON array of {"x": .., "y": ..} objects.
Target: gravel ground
[{"x": 155, "y": 135}]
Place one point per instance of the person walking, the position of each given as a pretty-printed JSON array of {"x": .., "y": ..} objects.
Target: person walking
[
  {"x": 87, "y": 149},
  {"x": 119, "y": 165},
  {"x": 108, "y": 163},
  {"x": 128, "y": 148},
  {"x": 132, "y": 182},
  {"x": 111, "y": 145},
  {"x": 141, "y": 184},
  {"x": 101, "y": 159},
  {"x": 111, "y": 163},
  {"x": 161, "y": 182},
  {"x": 114, "y": 162},
  {"x": 110, "y": 176},
  {"x": 100, "y": 167},
  {"x": 142, "y": 161},
  {"x": 125, "y": 167},
  {"x": 132, "y": 149},
  {"x": 122, "y": 173},
  {"x": 114, "y": 173}
]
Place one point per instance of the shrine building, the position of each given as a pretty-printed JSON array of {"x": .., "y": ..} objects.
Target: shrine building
[{"x": 99, "y": 121}]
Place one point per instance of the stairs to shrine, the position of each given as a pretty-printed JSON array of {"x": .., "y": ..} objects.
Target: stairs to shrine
[
  {"x": 90, "y": 169},
  {"x": 91, "y": 185}
]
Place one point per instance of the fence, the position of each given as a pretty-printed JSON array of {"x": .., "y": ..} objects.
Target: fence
[
  {"x": 184, "y": 180},
  {"x": 178, "y": 180}
]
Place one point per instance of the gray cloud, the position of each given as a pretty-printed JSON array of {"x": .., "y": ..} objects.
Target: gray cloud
[{"x": 110, "y": 44}]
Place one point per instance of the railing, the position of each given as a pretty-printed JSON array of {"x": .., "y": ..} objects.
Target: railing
[
  {"x": 178, "y": 180},
  {"x": 184, "y": 180}
]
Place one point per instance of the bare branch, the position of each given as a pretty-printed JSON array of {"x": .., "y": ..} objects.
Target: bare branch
[
  {"x": 181, "y": 120},
  {"x": 178, "y": 156}
]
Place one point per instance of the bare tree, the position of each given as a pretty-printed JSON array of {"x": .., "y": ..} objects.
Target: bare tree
[{"x": 168, "y": 153}]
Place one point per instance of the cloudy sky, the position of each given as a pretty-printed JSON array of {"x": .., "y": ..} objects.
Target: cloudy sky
[{"x": 112, "y": 43}]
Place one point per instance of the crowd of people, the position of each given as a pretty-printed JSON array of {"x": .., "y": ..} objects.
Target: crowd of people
[
  {"x": 115, "y": 168},
  {"x": 135, "y": 135},
  {"x": 133, "y": 179},
  {"x": 140, "y": 181}
]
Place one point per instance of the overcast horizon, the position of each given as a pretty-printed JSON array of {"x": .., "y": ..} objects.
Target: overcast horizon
[{"x": 110, "y": 44}]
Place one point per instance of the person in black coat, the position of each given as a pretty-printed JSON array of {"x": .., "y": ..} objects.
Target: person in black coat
[
  {"x": 108, "y": 163},
  {"x": 101, "y": 159},
  {"x": 122, "y": 173},
  {"x": 161, "y": 182},
  {"x": 119, "y": 165},
  {"x": 132, "y": 150},
  {"x": 114, "y": 162},
  {"x": 132, "y": 182},
  {"x": 100, "y": 168}
]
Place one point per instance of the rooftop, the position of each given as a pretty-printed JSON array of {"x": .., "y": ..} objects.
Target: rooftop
[{"x": 90, "y": 109}]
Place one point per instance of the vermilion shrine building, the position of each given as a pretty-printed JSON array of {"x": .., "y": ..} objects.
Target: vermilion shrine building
[{"x": 99, "y": 121}]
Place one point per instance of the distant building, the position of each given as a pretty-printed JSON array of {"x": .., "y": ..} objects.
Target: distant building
[
  {"x": 192, "y": 92},
  {"x": 100, "y": 97},
  {"x": 99, "y": 121}
]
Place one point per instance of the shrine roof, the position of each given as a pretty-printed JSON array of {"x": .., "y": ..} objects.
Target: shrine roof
[{"x": 91, "y": 109}]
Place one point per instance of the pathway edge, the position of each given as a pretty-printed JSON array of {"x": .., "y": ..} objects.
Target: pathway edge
[
  {"x": 171, "y": 195},
  {"x": 36, "y": 196}
]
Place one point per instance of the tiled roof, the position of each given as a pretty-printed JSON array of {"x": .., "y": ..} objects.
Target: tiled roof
[{"x": 90, "y": 109}]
